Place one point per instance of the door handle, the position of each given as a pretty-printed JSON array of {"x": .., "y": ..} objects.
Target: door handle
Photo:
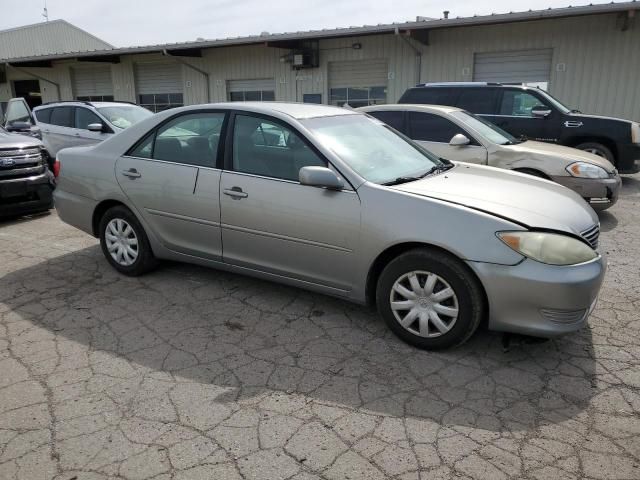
[
  {"x": 235, "y": 192},
  {"x": 131, "y": 173}
]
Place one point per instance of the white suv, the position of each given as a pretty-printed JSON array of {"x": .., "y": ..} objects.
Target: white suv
[{"x": 75, "y": 123}]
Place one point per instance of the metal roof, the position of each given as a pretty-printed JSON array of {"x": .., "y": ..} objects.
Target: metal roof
[
  {"x": 423, "y": 24},
  {"x": 57, "y": 37}
]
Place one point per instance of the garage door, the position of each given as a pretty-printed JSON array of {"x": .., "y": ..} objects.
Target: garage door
[
  {"x": 259, "y": 89},
  {"x": 358, "y": 83},
  {"x": 159, "y": 85},
  {"x": 518, "y": 66},
  {"x": 92, "y": 83}
]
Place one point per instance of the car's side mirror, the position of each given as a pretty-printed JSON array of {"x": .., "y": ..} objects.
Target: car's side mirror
[
  {"x": 320, "y": 177},
  {"x": 19, "y": 127},
  {"x": 459, "y": 140},
  {"x": 541, "y": 111},
  {"x": 95, "y": 127}
]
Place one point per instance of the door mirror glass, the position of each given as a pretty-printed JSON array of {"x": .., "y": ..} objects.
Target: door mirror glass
[
  {"x": 19, "y": 126},
  {"x": 95, "y": 127},
  {"x": 320, "y": 177},
  {"x": 540, "y": 111},
  {"x": 459, "y": 140}
]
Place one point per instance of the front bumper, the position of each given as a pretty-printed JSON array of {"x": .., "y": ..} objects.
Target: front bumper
[
  {"x": 532, "y": 298},
  {"x": 628, "y": 160},
  {"x": 20, "y": 196},
  {"x": 600, "y": 193}
]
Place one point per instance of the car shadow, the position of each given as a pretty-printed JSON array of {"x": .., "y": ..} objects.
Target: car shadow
[
  {"x": 251, "y": 337},
  {"x": 630, "y": 184},
  {"x": 608, "y": 221},
  {"x": 15, "y": 219}
]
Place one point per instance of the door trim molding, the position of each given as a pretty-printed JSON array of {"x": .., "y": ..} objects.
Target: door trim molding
[{"x": 186, "y": 218}]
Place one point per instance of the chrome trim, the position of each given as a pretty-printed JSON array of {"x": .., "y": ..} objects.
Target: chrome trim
[
  {"x": 591, "y": 235},
  {"x": 170, "y": 162}
]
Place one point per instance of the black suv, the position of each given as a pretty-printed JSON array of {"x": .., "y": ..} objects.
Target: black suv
[
  {"x": 533, "y": 113},
  {"x": 26, "y": 183}
]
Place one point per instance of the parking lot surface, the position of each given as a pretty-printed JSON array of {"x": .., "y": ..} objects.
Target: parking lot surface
[{"x": 190, "y": 373}]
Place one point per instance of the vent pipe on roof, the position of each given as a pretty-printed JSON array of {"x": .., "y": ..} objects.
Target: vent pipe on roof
[{"x": 446, "y": 14}]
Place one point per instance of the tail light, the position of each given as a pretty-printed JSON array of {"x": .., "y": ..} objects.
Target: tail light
[{"x": 56, "y": 168}]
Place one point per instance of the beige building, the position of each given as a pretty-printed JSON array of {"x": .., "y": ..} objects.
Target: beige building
[{"x": 588, "y": 57}]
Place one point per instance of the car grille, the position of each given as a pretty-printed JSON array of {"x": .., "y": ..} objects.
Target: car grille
[
  {"x": 17, "y": 163},
  {"x": 591, "y": 235}
]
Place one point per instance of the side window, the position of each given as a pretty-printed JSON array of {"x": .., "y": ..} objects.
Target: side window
[
  {"x": 430, "y": 96},
  {"x": 85, "y": 117},
  {"x": 518, "y": 103},
  {"x": 394, "y": 119},
  {"x": 478, "y": 100},
  {"x": 144, "y": 148},
  {"x": 62, "y": 116},
  {"x": 192, "y": 139},
  {"x": 43, "y": 115},
  {"x": 267, "y": 148},
  {"x": 432, "y": 128}
]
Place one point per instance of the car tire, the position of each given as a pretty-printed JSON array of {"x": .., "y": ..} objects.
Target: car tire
[
  {"x": 597, "y": 149},
  {"x": 124, "y": 242},
  {"x": 435, "y": 272}
]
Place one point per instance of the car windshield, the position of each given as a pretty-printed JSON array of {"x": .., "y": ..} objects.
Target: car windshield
[
  {"x": 555, "y": 102},
  {"x": 373, "y": 150},
  {"x": 485, "y": 128},
  {"x": 123, "y": 116}
]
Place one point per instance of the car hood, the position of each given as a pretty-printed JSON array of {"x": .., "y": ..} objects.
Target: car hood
[
  {"x": 566, "y": 153},
  {"x": 15, "y": 140},
  {"x": 524, "y": 199}
]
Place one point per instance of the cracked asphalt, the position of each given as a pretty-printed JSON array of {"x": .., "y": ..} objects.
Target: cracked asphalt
[{"x": 190, "y": 373}]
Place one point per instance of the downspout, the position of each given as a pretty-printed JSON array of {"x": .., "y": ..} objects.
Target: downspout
[
  {"x": 36, "y": 76},
  {"x": 415, "y": 49},
  {"x": 187, "y": 64}
]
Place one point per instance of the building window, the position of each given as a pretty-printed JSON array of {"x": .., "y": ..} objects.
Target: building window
[
  {"x": 252, "y": 96},
  {"x": 358, "y": 96},
  {"x": 157, "y": 102},
  {"x": 312, "y": 98},
  {"x": 95, "y": 98}
]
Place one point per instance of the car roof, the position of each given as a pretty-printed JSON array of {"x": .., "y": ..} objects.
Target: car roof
[
  {"x": 80, "y": 103},
  {"x": 472, "y": 85},
  {"x": 295, "y": 110},
  {"x": 444, "y": 109}
]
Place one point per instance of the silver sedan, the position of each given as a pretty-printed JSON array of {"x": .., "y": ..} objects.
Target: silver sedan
[{"x": 335, "y": 201}]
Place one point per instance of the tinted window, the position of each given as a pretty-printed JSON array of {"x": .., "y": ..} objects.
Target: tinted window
[
  {"x": 312, "y": 98},
  {"x": 518, "y": 103},
  {"x": 433, "y": 96},
  {"x": 432, "y": 128},
  {"x": 478, "y": 100},
  {"x": 85, "y": 117},
  {"x": 394, "y": 119},
  {"x": 43, "y": 115},
  {"x": 192, "y": 139},
  {"x": 262, "y": 147},
  {"x": 62, "y": 116}
]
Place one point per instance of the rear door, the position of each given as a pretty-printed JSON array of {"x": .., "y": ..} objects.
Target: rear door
[
  {"x": 434, "y": 132},
  {"x": 61, "y": 131},
  {"x": 172, "y": 178}
]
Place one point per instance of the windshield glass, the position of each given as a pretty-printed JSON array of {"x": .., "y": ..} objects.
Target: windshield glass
[
  {"x": 123, "y": 116},
  {"x": 485, "y": 128},
  {"x": 375, "y": 151},
  {"x": 555, "y": 102}
]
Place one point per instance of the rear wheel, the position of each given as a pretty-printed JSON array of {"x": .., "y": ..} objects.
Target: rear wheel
[
  {"x": 597, "y": 149},
  {"x": 124, "y": 242},
  {"x": 430, "y": 299}
]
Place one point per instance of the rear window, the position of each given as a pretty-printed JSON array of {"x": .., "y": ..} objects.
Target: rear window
[
  {"x": 43, "y": 115},
  {"x": 478, "y": 100},
  {"x": 429, "y": 96},
  {"x": 62, "y": 116}
]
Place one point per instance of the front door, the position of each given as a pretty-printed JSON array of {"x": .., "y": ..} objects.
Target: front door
[
  {"x": 270, "y": 222},
  {"x": 514, "y": 116},
  {"x": 172, "y": 178},
  {"x": 83, "y": 118},
  {"x": 434, "y": 133}
]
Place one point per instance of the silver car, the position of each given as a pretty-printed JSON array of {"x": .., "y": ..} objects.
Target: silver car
[
  {"x": 73, "y": 123},
  {"x": 335, "y": 201},
  {"x": 461, "y": 136}
]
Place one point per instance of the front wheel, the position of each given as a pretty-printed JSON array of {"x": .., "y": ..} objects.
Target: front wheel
[
  {"x": 124, "y": 242},
  {"x": 430, "y": 299}
]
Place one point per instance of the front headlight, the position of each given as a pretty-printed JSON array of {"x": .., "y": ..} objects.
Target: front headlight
[
  {"x": 586, "y": 170},
  {"x": 550, "y": 248},
  {"x": 635, "y": 132}
]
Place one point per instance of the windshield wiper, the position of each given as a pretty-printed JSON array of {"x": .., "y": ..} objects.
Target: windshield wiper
[{"x": 432, "y": 170}]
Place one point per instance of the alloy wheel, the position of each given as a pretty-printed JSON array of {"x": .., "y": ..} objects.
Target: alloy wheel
[{"x": 424, "y": 304}]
